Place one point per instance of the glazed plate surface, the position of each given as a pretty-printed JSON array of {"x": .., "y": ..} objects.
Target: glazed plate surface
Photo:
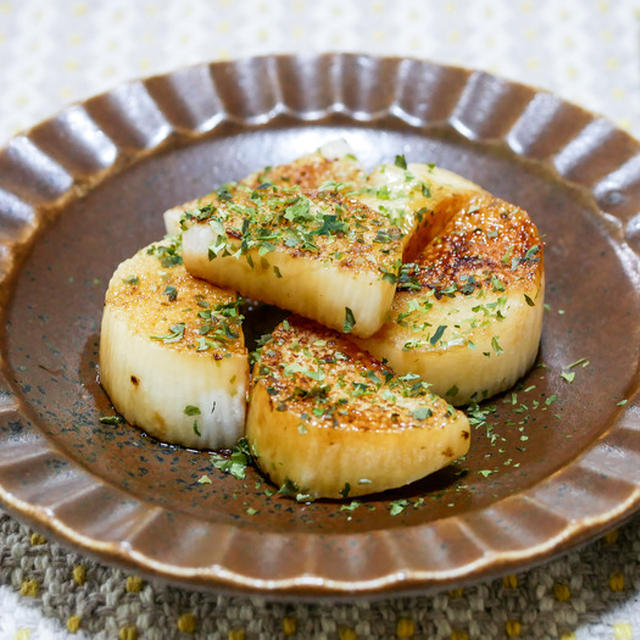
[{"x": 553, "y": 462}]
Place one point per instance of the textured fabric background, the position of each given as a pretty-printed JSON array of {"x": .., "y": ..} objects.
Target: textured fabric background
[{"x": 55, "y": 52}]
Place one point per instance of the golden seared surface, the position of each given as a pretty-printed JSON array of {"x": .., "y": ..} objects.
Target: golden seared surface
[
  {"x": 476, "y": 242},
  {"x": 165, "y": 303},
  {"x": 323, "y": 224},
  {"x": 309, "y": 172},
  {"x": 328, "y": 382},
  {"x": 467, "y": 313}
]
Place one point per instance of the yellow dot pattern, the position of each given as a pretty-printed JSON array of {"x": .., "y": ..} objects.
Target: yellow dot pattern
[
  {"x": 133, "y": 584},
  {"x": 510, "y": 581},
  {"x": 79, "y": 574},
  {"x": 588, "y": 57},
  {"x": 30, "y": 588},
  {"x": 405, "y": 628},
  {"x": 616, "y": 581},
  {"x": 289, "y": 626},
  {"x": 622, "y": 631},
  {"x": 510, "y": 587},
  {"x": 73, "y": 623},
  {"x": 37, "y": 539},
  {"x": 561, "y": 592},
  {"x": 128, "y": 632},
  {"x": 346, "y": 633},
  {"x": 513, "y": 628},
  {"x": 612, "y": 536},
  {"x": 187, "y": 623}
]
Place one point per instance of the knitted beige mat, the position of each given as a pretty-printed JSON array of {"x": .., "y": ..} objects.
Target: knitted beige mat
[{"x": 590, "y": 593}]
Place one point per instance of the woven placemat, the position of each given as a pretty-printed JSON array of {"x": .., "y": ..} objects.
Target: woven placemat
[{"x": 590, "y": 593}]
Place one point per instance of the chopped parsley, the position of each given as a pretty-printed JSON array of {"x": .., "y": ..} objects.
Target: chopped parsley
[
  {"x": 422, "y": 413},
  {"x": 349, "y": 320},
  {"x": 176, "y": 334},
  {"x": 236, "y": 464},
  {"x": 398, "y": 506},
  {"x": 437, "y": 334},
  {"x": 171, "y": 293},
  {"x": 401, "y": 162}
]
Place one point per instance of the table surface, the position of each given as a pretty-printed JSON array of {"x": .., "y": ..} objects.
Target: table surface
[{"x": 54, "y": 53}]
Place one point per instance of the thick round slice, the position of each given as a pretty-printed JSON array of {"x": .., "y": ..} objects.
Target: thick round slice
[
  {"x": 328, "y": 420},
  {"x": 172, "y": 354},
  {"x": 320, "y": 253},
  {"x": 467, "y": 316}
]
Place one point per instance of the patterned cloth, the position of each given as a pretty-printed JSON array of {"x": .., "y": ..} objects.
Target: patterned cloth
[
  {"x": 587, "y": 51},
  {"x": 585, "y": 595}
]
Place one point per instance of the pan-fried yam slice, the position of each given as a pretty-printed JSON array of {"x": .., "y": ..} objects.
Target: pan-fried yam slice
[
  {"x": 333, "y": 162},
  {"x": 318, "y": 253},
  {"x": 327, "y": 420},
  {"x": 172, "y": 355},
  {"x": 467, "y": 316}
]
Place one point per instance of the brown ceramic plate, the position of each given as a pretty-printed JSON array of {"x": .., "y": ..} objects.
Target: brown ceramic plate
[{"x": 556, "y": 462}]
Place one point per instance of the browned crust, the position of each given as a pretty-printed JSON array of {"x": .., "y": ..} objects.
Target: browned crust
[
  {"x": 308, "y": 172},
  {"x": 481, "y": 237},
  {"x": 347, "y": 390},
  {"x": 137, "y": 291}
]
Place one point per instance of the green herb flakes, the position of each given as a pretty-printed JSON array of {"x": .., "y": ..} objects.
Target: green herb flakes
[
  {"x": 398, "y": 506},
  {"x": 171, "y": 293},
  {"x": 497, "y": 284},
  {"x": 422, "y": 413},
  {"x": 349, "y": 320},
  {"x": 237, "y": 463},
  {"x": 176, "y": 333},
  {"x": 437, "y": 334},
  {"x": 401, "y": 162}
]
